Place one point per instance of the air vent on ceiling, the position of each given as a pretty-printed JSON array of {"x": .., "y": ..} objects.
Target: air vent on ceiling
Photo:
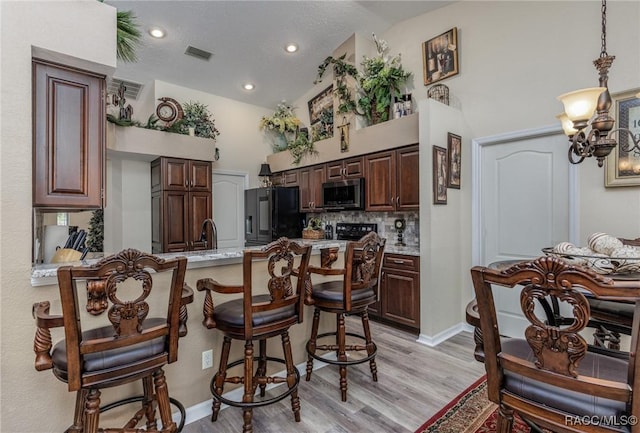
[
  {"x": 131, "y": 89},
  {"x": 197, "y": 52}
]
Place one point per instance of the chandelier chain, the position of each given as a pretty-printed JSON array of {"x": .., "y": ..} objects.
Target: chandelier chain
[{"x": 603, "y": 38}]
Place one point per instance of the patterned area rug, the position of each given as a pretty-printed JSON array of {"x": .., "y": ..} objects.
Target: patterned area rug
[{"x": 469, "y": 412}]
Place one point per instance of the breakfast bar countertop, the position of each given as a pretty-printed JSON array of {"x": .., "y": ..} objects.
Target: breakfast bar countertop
[{"x": 46, "y": 274}]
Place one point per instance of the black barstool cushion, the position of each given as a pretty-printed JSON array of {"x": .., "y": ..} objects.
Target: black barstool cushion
[
  {"x": 109, "y": 359},
  {"x": 231, "y": 313},
  {"x": 333, "y": 291},
  {"x": 614, "y": 308},
  {"x": 571, "y": 402}
]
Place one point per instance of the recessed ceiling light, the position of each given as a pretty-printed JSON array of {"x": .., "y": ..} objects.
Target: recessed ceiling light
[
  {"x": 248, "y": 86},
  {"x": 156, "y": 32},
  {"x": 291, "y": 48}
]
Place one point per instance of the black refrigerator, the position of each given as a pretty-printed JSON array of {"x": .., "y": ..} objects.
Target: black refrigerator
[{"x": 271, "y": 213}]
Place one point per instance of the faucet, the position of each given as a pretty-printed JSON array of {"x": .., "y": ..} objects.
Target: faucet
[{"x": 214, "y": 234}]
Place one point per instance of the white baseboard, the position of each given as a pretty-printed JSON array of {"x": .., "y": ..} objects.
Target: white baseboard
[
  {"x": 434, "y": 340},
  {"x": 203, "y": 409}
]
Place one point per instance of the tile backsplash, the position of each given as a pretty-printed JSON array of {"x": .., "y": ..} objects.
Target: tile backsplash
[{"x": 385, "y": 221}]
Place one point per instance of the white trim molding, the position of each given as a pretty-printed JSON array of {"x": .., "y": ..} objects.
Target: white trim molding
[{"x": 434, "y": 340}]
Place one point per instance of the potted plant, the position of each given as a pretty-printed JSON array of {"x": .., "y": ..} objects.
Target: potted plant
[
  {"x": 301, "y": 146},
  {"x": 313, "y": 230},
  {"x": 376, "y": 86},
  {"x": 282, "y": 126},
  {"x": 197, "y": 116}
]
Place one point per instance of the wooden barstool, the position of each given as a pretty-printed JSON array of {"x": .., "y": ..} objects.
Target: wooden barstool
[
  {"x": 259, "y": 317},
  {"x": 131, "y": 348},
  {"x": 352, "y": 295}
]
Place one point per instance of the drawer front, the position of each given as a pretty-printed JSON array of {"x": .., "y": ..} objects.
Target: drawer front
[{"x": 401, "y": 261}]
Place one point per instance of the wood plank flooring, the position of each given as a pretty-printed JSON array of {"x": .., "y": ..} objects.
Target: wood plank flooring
[{"x": 414, "y": 382}]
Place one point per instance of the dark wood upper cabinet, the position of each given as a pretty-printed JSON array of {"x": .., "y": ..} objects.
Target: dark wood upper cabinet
[
  {"x": 345, "y": 169},
  {"x": 408, "y": 182},
  {"x": 181, "y": 199},
  {"x": 285, "y": 178},
  {"x": 311, "y": 180},
  {"x": 392, "y": 180},
  {"x": 68, "y": 137},
  {"x": 380, "y": 184}
]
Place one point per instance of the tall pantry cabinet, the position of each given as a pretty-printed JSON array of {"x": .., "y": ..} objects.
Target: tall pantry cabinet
[{"x": 181, "y": 200}]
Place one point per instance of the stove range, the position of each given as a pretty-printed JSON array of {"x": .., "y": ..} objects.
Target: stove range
[{"x": 354, "y": 231}]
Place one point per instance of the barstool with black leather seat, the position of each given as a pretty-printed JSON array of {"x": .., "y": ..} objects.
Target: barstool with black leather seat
[
  {"x": 259, "y": 317},
  {"x": 353, "y": 294},
  {"x": 131, "y": 347}
]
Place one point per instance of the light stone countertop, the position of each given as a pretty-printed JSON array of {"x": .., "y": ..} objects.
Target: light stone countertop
[{"x": 46, "y": 274}]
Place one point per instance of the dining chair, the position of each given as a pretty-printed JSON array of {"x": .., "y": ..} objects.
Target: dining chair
[
  {"x": 350, "y": 295},
  {"x": 145, "y": 300},
  {"x": 547, "y": 375},
  {"x": 263, "y": 311}
]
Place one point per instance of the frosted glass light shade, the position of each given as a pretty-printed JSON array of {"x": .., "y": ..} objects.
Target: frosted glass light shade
[
  {"x": 581, "y": 104},
  {"x": 567, "y": 124}
]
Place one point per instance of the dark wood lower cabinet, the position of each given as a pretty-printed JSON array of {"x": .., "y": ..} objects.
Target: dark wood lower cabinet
[{"x": 399, "y": 303}]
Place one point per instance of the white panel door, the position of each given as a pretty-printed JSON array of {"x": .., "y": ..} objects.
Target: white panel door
[
  {"x": 524, "y": 206},
  {"x": 228, "y": 208}
]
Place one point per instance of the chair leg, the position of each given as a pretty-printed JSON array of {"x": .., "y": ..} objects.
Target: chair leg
[
  {"x": 164, "y": 405},
  {"x": 291, "y": 376},
  {"x": 148, "y": 404},
  {"x": 247, "y": 413},
  {"x": 92, "y": 411},
  {"x": 505, "y": 420},
  {"x": 221, "y": 376},
  {"x": 341, "y": 342},
  {"x": 78, "y": 415},
  {"x": 370, "y": 347},
  {"x": 262, "y": 365},
  {"x": 312, "y": 342}
]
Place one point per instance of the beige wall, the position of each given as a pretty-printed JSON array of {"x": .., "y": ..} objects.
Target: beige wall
[
  {"x": 506, "y": 48},
  {"x": 515, "y": 58},
  {"x": 32, "y": 401}
]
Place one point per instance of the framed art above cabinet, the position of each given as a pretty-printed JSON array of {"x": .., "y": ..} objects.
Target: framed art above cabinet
[{"x": 68, "y": 136}]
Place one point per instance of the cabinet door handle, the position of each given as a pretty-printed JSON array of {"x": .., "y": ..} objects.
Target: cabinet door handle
[
  {"x": 399, "y": 262},
  {"x": 392, "y": 200},
  {"x": 398, "y": 201}
]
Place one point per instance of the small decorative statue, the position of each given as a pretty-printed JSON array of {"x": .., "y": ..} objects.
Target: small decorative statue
[{"x": 124, "y": 113}]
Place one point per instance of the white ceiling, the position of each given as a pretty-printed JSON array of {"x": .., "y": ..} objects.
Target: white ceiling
[{"x": 247, "y": 39}]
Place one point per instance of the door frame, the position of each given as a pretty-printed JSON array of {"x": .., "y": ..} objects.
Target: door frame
[{"x": 477, "y": 145}]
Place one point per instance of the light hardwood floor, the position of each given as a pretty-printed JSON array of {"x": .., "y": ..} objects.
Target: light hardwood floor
[{"x": 414, "y": 382}]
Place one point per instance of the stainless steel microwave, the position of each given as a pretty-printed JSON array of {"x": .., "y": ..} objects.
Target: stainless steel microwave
[{"x": 343, "y": 194}]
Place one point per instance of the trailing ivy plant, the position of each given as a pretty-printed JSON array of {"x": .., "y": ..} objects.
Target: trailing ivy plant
[
  {"x": 301, "y": 146},
  {"x": 379, "y": 83}
]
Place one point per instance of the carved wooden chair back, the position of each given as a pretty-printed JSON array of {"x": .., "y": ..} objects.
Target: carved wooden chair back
[
  {"x": 363, "y": 259},
  {"x": 286, "y": 261},
  {"x": 548, "y": 376},
  {"x": 127, "y": 315}
]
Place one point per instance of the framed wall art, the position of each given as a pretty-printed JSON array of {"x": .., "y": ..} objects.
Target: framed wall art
[
  {"x": 623, "y": 168},
  {"x": 321, "y": 115},
  {"x": 439, "y": 175},
  {"x": 440, "y": 57},
  {"x": 454, "y": 153}
]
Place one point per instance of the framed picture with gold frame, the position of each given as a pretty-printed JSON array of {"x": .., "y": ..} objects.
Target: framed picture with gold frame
[
  {"x": 440, "y": 57},
  {"x": 623, "y": 168}
]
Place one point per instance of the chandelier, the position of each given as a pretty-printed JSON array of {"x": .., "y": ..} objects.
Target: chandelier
[{"x": 590, "y": 108}]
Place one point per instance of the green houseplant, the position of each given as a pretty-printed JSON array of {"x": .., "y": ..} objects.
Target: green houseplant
[
  {"x": 377, "y": 85},
  {"x": 282, "y": 126},
  {"x": 198, "y": 116}
]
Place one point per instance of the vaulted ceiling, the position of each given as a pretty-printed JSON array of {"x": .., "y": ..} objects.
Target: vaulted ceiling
[{"x": 247, "y": 40}]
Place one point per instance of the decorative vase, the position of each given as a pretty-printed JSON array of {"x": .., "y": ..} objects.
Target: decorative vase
[{"x": 278, "y": 142}]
